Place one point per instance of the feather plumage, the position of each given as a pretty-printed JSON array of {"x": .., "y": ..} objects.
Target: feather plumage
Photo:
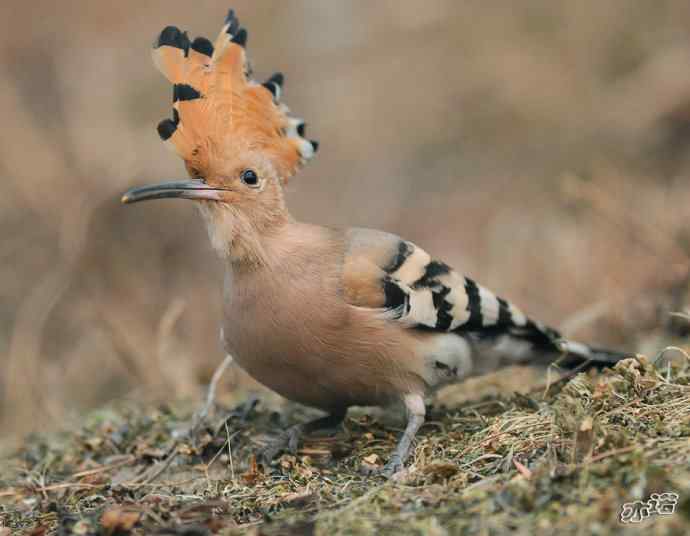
[
  {"x": 406, "y": 285},
  {"x": 327, "y": 317},
  {"x": 217, "y": 103}
]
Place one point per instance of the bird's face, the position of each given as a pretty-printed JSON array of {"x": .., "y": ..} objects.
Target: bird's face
[
  {"x": 248, "y": 183},
  {"x": 240, "y": 196},
  {"x": 239, "y": 143}
]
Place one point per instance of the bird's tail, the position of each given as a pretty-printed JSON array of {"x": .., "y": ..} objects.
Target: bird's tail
[
  {"x": 542, "y": 345},
  {"x": 533, "y": 343},
  {"x": 579, "y": 355}
]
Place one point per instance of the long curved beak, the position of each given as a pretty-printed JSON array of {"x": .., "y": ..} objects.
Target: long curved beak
[{"x": 189, "y": 189}]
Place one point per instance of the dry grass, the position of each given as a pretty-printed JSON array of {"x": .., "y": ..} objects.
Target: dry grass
[{"x": 563, "y": 463}]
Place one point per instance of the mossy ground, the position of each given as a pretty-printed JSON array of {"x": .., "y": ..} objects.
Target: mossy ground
[{"x": 557, "y": 462}]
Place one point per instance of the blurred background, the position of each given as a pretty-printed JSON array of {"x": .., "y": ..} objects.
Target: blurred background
[{"x": 540, "y": 148}]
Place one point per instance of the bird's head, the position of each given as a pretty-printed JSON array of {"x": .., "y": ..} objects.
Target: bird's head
[{"x": 239, "y": 144}]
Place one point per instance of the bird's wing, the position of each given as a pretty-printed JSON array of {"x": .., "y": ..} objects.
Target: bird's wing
[
  {"x": 403, "y": 283},
  {"x": 384, "y": 272}
]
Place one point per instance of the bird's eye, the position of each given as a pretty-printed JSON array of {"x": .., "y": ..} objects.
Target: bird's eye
[
  {"x": 249, "y": 177},
  {"x": 441, "y": 366}
]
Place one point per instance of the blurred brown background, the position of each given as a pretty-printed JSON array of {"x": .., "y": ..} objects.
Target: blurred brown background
[{"x": 540, "y": 147}]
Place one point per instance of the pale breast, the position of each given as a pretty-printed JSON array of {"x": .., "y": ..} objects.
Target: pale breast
[{"x": 289, "y": 327}]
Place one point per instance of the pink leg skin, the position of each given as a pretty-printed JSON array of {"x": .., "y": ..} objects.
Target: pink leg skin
[{"x": 415, "y": 418}]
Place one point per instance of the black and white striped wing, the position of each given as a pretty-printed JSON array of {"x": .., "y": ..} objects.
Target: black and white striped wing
[
  {"x": 406, "y": 285},
  {"x": 385, "y": 272}
]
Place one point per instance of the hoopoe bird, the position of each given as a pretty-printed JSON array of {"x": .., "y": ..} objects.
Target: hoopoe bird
[{"x": 327, "y": 317}]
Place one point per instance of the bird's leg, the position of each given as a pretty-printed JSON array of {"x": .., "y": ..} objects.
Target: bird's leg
[
  {"x": 289, "y": 440},
  {"x": 414, "y": 403},
  {"x": 201, "y": 415}
]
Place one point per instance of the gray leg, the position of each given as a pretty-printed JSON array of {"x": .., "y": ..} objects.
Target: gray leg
[
  {"x": 415, "y": 418},
  {"x": 289, "y": 440}
]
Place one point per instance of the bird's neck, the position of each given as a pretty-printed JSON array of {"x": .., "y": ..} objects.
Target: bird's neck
[{"x": 245, "y": 243}]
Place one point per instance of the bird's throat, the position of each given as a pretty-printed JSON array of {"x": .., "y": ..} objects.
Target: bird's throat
[{"x": 237, "y": 238}]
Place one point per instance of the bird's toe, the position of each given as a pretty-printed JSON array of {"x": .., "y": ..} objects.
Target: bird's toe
[
  {"x": 293, "y": 440},
  {"x": 394, "y": 466},
  {"x": 272, "y": 449}
]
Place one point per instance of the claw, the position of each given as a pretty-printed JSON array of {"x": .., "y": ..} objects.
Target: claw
[{"x": 394, "y": 466}]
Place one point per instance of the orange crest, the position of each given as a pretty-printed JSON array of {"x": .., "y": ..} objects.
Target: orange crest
[{"x": 218, "y": 107}]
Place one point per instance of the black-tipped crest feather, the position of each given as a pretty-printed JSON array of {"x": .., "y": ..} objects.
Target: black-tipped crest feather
[
  {"x": 240, "y": 38},
  {"x": 172, "y": 36},
  {"x": 275, "y": 85},
  {"x": 166, "y": 128},
  {"x": 232, "y": 21},
  {"x": 184, "y": 92},
  {"x": 226, "y": 74},
  {"x": 203, "y": 46}
]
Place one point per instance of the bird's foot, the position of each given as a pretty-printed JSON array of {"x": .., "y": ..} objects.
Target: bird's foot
[
  {"x": 287, "y": 441},
  {"x": 394, "y": 466}
]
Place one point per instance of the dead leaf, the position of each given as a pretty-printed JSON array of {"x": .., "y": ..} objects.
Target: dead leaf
[
  {"x": 186, "y": 450},
  {"x": 372, "y": 459},
  {"x": 287, "y": 462},
  {"x": 152, "y": 453},
  {"x": 440, "y": 470},
  {"x": 119, "y": 519},
  {"x": 297, "y": 498},
  {"x": 586, "y": 424},
  {"x": 304, "y": 471},
  {"x": 252, "y": 474},
  {"x": 94, "y": 442},
  {"x": 584, "y": 440}
]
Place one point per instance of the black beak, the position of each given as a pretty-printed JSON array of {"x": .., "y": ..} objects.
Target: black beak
[{"x": 189, "y": 189}]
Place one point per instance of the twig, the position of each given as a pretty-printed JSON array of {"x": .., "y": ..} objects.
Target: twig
[
  {"x": 103, "y": 468},
  {"x": 567, "y": 376},
  {"x": 64, "y": 485},
  {"x": 162, "y": 466},
  {"x": 610, "y": 453},
  {"x": 659, "y": 355},
  {"x": 232, "y": 467},
  {"x": 198, "y": 418},
  {"x": 226, "y": 444}
]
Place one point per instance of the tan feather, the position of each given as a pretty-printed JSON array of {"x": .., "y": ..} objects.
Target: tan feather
[
  {"x": 218, "y": 106},
  {"x": 170, "y": 53}
]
